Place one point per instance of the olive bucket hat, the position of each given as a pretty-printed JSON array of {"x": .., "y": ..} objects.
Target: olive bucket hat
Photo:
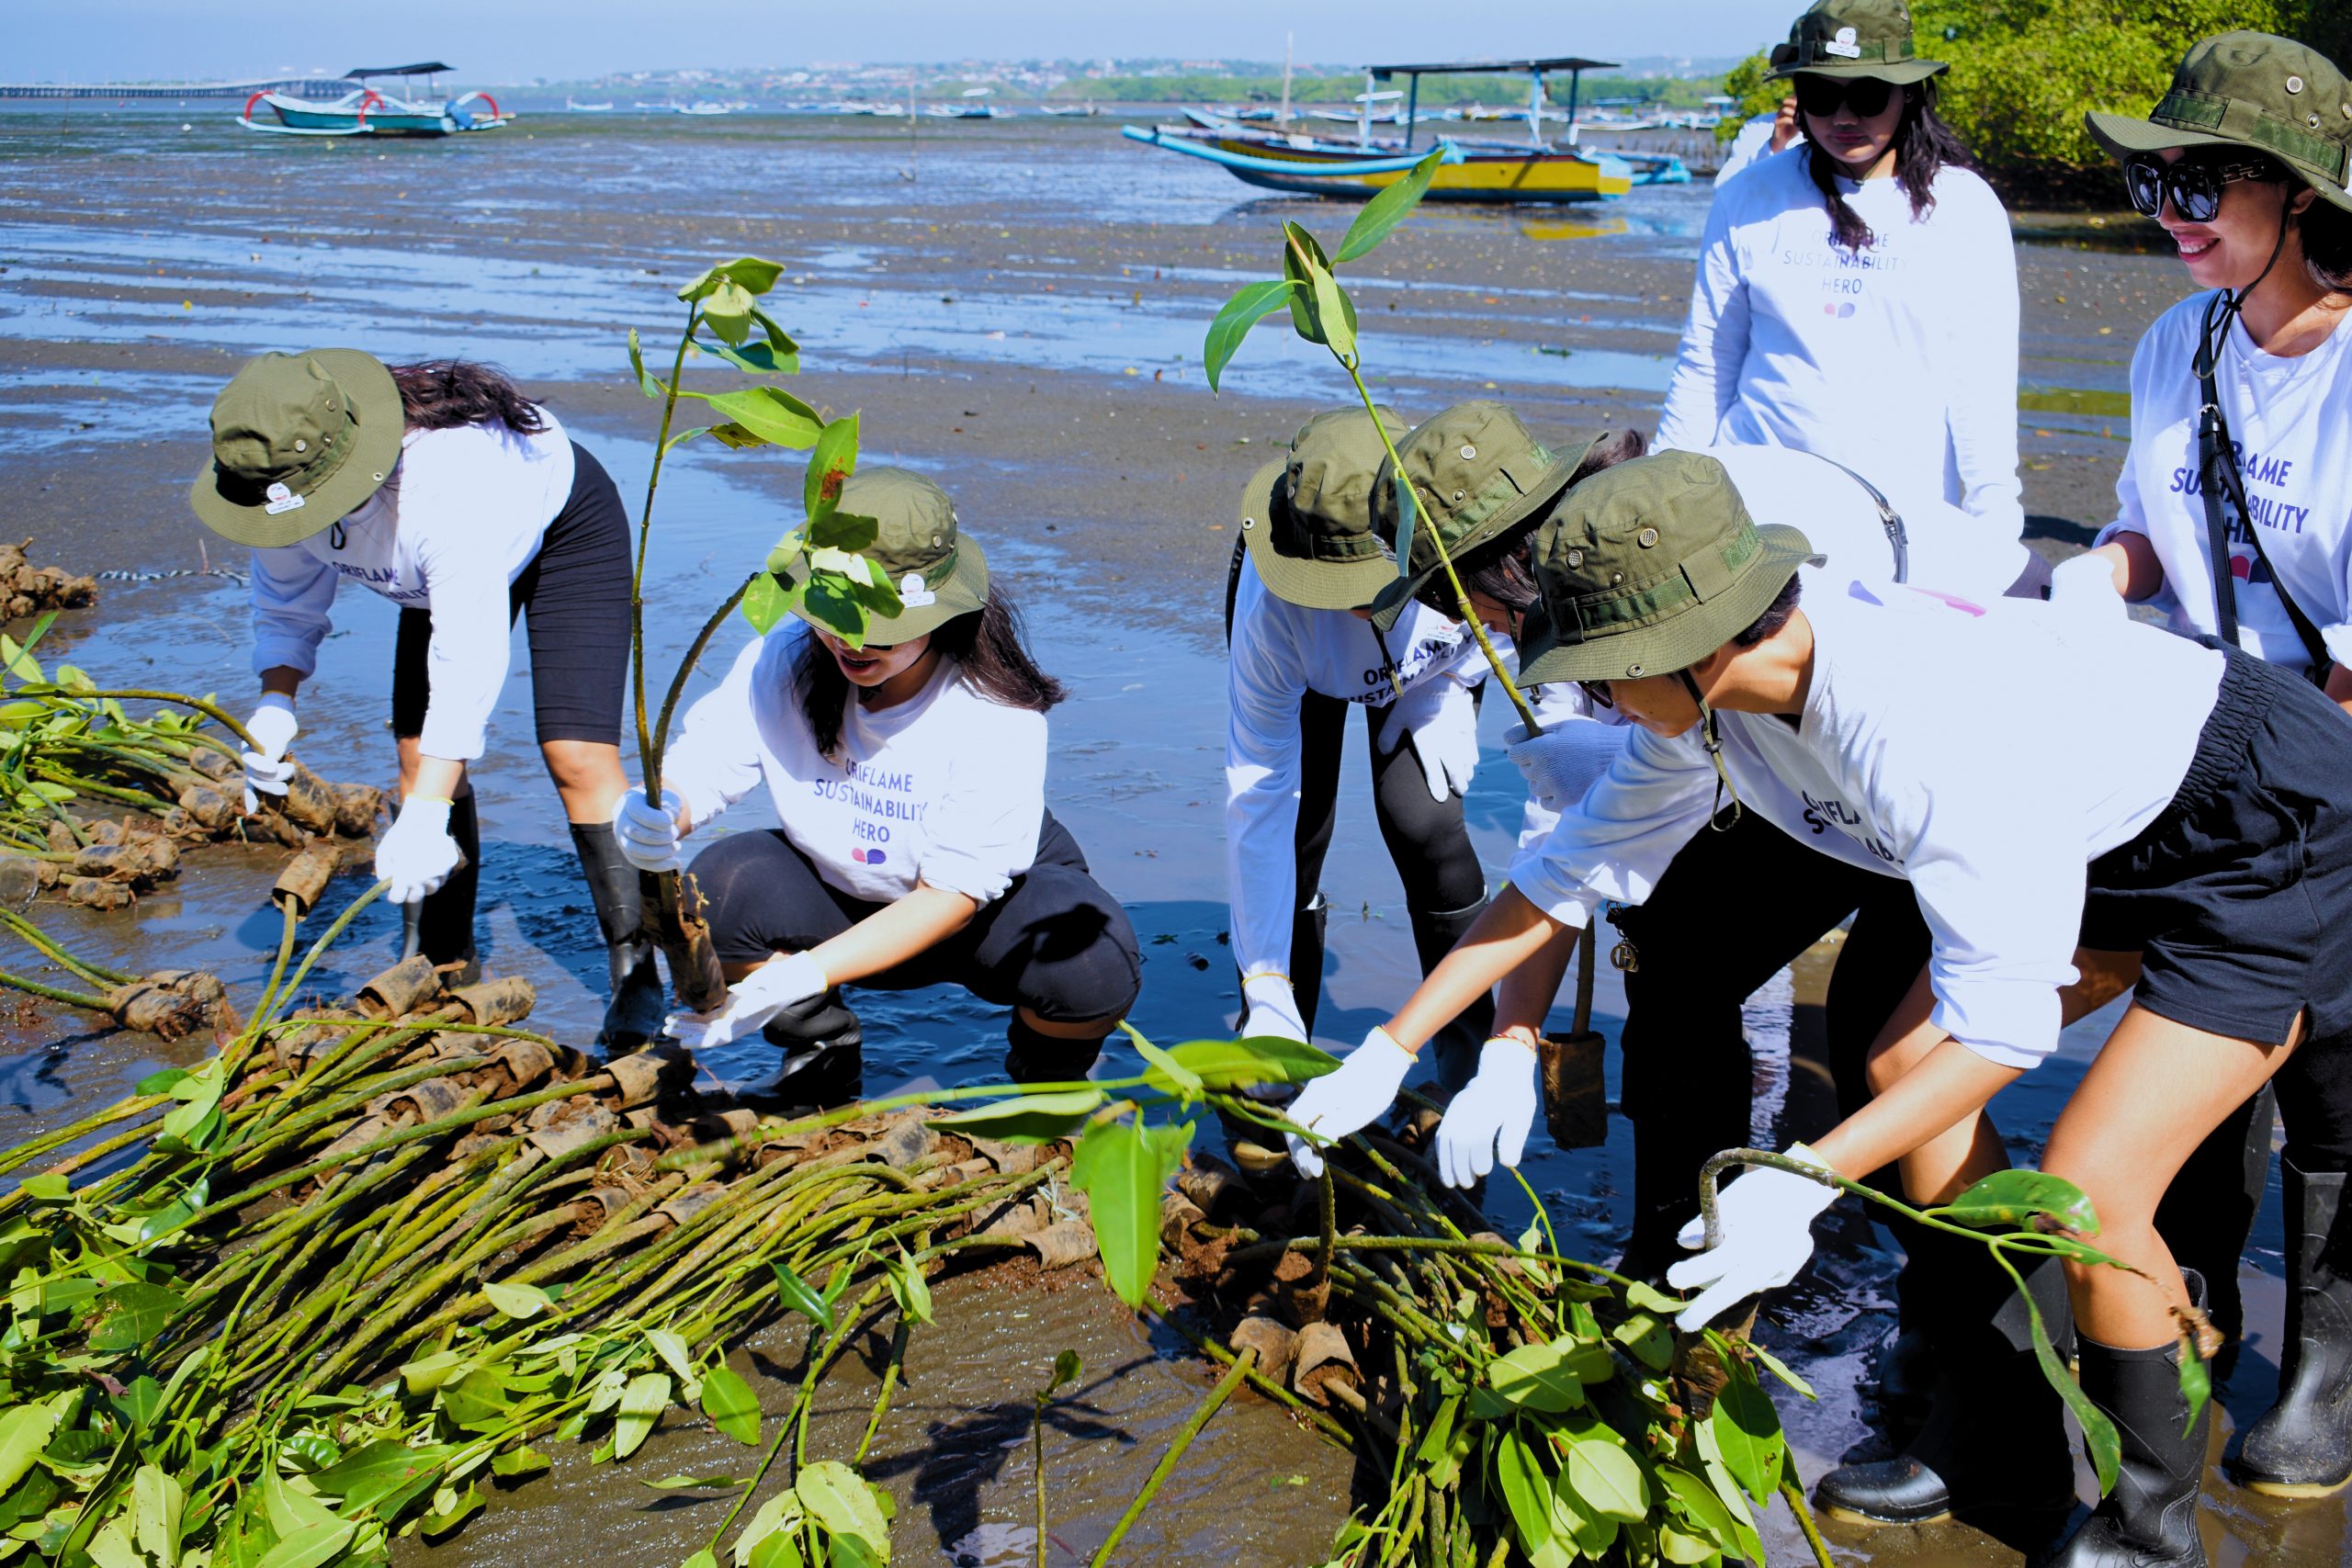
[
  {"x": 297, "y": 441},
  {"x": 1478, "y": 471},
  {"x": 1306, "y": 518},
  {"x": 938, "y": 569},
  {"x": 1853, "y": 37},
  {"x": 1647, "y": 567},
  {"x": 2255, "y": 91}
]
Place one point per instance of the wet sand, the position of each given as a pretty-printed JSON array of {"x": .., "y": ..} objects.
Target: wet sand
[{"x": 1023, "y": 320}]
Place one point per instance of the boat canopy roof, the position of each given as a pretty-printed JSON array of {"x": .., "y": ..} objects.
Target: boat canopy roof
[
  {"x": 426, "y": 68},
  {"x": 1496, "y": 67}
]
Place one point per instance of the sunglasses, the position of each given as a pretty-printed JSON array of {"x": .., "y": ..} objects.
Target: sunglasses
[
  {"x": 2195, "y": 186},
  {"x": 1596, "y": 693},
  {"x": 1820, "y": 95}
]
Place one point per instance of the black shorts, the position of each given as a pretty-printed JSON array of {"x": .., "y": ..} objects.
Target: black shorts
[
  {"x": 2239, "y": 896},
  {"x": 1055, "y": 942},
  {"x": 577, "y": 591}
]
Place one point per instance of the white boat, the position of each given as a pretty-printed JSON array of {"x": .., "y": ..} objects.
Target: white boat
[
  {"x": 1069, "y": 109},
  {"x": 367, "y": 111},
  {"x": 703, "y": 107},
  {"x": 578, "y": 107}
]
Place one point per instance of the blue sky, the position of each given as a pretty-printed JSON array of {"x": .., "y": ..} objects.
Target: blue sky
[{"x": 519, "y": 39}]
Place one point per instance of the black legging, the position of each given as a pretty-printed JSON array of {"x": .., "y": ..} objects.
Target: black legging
[
  {"x": 1055, "y": 942},
  {"x": 577, "y": 591}
]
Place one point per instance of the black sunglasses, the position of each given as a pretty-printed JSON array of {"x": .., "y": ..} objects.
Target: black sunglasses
[
  {"x": 1596, "y": 693},
  {"x": 2194, "y": 185},
  {"x": 1820, "y": 95}
]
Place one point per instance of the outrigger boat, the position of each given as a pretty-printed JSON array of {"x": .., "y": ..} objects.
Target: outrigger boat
[
  {"x": 365, "y": 111},
  {"x": 1474, "y": 170}
]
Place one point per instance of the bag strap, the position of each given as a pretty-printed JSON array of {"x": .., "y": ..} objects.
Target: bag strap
[
  {"x": 2217, "y": 473},
  {"x": 1897, "y": 539}
]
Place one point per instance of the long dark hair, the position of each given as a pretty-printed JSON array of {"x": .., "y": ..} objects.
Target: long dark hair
[
  {"x": 449, "y": 394},
  {"x": 1924, "y": 147},
  {"x": 1500, "y": 569},
  {"x": 989, "y": 646}
]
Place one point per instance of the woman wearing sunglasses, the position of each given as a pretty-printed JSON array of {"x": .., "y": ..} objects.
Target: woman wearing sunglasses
[
  {"x": 1857, "y": 294},
  {"x": 2244, "y": 164}
]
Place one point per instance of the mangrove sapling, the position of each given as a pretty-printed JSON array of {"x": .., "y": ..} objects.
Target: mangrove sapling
[
  {"x": 2027, "y": 1213},
  {"x": 841, "y": 589},
  {"x": 1068, "y": 1368}
]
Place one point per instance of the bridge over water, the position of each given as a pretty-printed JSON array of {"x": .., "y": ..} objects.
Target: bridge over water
[{"x": 292, "y": 86}]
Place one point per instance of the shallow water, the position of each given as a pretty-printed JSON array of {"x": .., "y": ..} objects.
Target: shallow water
[{"x": 535, "y": 252}]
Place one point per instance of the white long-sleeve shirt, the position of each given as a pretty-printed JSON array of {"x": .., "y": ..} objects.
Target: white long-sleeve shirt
[
  {"x": 1279, "y": 653},
  {"x": 1752, "y": 145},
  {"x": 1900, "y": 361},
  {"x": 449, "y": 530},
  {"x": 1941, "y": 741},
  {"x": 2287, "y": 419},
  {"x": 947, "y": 787}
]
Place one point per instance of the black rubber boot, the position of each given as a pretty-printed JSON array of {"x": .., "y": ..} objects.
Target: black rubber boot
[
  {"x": 1457, "y": 1044},
  {"x": 2150, "y": 1519},
  {"x": 1670, "y": 1144},
  {"x": 824, "y": 1055},
  {"x": 635, "y": 1005},
  {"x": 1995, "y": 1435},
  {"x": 2303, "y": 1447},
  {"x": 1034, "y": 1057},
  {"x": 444, "y": 920}
]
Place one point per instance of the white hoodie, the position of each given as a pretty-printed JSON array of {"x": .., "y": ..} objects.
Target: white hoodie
[
  {"x": 1941, "y": 741},
  {"x": 1900, "y": 361}
]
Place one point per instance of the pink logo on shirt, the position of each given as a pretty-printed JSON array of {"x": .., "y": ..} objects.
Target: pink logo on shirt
[
  {"x": 1842, "y": 310},
  {"x": 867, "y": 857}
]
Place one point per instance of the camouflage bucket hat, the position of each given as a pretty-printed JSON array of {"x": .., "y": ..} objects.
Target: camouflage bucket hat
[
  {"x": 937, "y": 568},
  {"x": 2255, "y": 91},
  {"x": 1306, "y": 518},
  {"x": 1478, "y": 472},
  {"x": 1647, "y": 567},
  {"x": 297, "y": 441},
  {"x": 1853, "y": 37}
]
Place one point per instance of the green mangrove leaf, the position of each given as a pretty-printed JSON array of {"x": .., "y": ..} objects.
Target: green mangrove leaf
[
  {"x": 732, "y": 1405},
  {"x": 766, "y": 602},
  {"x": 751, "y": 273},
  {"x": 842, "y": 531},
  {"x": 1649, "y": 1298},
  {"x": 829, "y": 601},
  {"x": 1301, "y": 256},
  {"x": 1068, "y": 1368},
  {"x": 799, "y": 1297},
  {"x": 1778, "y": 1368},
  {"x": 696, "y": 1482},
  {"x": 908, "y": 1288},
  {"x": 702, "y": 1559},
  {"x": 1700, "y": 1506},
  {"x": 477, "y": 1402},
  {"x": 760, "y": 416},
  {"x": 130, "y": 1316},
  {"x": 1526, "y": 1490},
  {"x": 1605, "y": 1479},
  {"x": 139, "y": 1401},
  {"x": 644, "y": 381},
  {"x": 1028, "y": 1118},
  {"x": 1121, "y": 1167},
  {"x": 310, "y": 1546},
  {"x": 384, "y": 1473},
  {"x": 682, "y": 437},
  {"x": 1166, "y": 1073},
  {"x": 516, "y": 1464},
  {"x": 782, "y": 1550},
  {"x": 642, "y": 1401},
  {"x": 839, "y": 1500},
  {"x": 1385, "y": 211},
  {"x": 1336, "y": 313},
  {"x": 830, "y": 463},
  {"x": 1537, "y": 1377},
  {"x": 1678, "y": 1548},
  {"x": 759, "y": 359},
  {"x": 1253, "y": 1059},
  {"x": 2098, "y": 1432},
  {"x": 2195, "y": 1379},
  {"x": 1591, "y": 1532},
  {"x": 1646, "y": 1339},
  {"x": 110, "y": 1547},
  {"x": 426, "y": 1373},
  {"x": 1439, "y": 1435},
  {"x": 441, "y": 1521},
  {"x": 1251, "y": 305},
  {"x": 24, "y": 1433},
  {"x": 673, "y": 1352},
  {"x": 1408, "y": 516},
  {"x": 781, "y": 1513},
  {"x": 177, "y": 1214},
  {"x": 2015, "y": 1196},
  {"x": 517, "y": 1300},
  {"x": 1746, "y": 1430},
  {"x": 727, "y": 309}
]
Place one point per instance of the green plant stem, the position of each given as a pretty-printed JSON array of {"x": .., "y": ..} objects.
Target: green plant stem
[
  {"x": 285, "y": 954},
  {"x": 882, "y": 1401},
  {"x": 658, "y": 740},
  {"x": 1242, "y": 1366},
  {"x": 318, "y": 948},
  {"x": 71, "y": 999},
  {"x": 647, "y": 754},
  {"x": 179, "y": 698},
  {"x": 41, "y": 942},
  {"x": 1437, "y": 543},
  {"x": 1794, "y": 1494}
]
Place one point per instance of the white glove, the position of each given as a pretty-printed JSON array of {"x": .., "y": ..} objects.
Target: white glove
[
  {"x": 1272, "y": 1008},
  {"x": 1351, "y": 1096},
  {"x": 273, "y": 727},
  {"x": 1438, "y": 713},
  {"x": 649, "y": 833},
  {"x": 2085, "y": 585},
  {"x": 1767, "y": 1217},
  {"x": 417, "y": 853},
  {"x": 1561, "y": 763},
  {"x": 751, "y": 1002},
  {"x": 1489, "y": 1119}
]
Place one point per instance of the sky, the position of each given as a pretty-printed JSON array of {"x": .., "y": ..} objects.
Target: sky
[{"x": 520, "y": 40}]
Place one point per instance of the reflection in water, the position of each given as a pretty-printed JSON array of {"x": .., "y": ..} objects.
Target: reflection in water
[{"x": 1570, "y": 227}]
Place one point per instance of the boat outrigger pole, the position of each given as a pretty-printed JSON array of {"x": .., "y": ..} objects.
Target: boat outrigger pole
[{"x": 1536, "y": 70}]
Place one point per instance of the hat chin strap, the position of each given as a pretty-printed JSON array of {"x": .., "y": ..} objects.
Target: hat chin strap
[
  {"x": 1716, "y": 819},
  {"x": 2229, "y": 304}
]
